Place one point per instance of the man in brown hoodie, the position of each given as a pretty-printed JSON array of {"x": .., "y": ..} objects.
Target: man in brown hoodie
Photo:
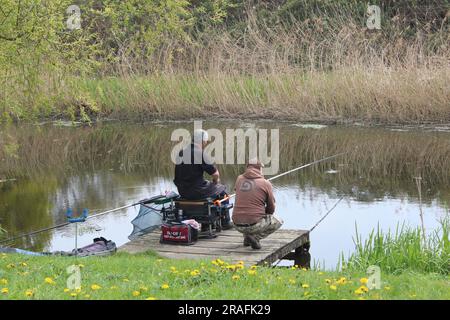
[{"x": 253, "y": 213}]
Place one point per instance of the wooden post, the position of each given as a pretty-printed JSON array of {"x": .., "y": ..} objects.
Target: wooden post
[{"x": 302, "y": 256}]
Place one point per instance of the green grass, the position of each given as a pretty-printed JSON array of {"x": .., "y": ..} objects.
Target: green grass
[
  {"x": 406, "y": 249},
  {"x": 143, "y": 276}
]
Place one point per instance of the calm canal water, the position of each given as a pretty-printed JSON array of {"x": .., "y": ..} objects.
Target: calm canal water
[{"x": 54, "y": 167}]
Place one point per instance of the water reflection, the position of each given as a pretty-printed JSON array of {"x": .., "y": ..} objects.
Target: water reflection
[{"x": 111, "y": 165}]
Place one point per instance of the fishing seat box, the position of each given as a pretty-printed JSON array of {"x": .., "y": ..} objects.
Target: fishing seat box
[
  {"x": 198, "y": 210},
  {"x": 178, "y": 233}
]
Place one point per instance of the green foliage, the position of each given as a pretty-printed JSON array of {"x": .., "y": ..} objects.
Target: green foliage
[
  {"x": 39, "y": 54},
  {"x": 406, "y": 249},
  {"x": 131, "y": 31},
  {"x": 144, "y": 276},
  {"x": 212, "y": 13}
]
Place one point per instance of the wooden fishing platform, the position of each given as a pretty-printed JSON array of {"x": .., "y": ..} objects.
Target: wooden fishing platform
[{"x": 228, "y": 246}]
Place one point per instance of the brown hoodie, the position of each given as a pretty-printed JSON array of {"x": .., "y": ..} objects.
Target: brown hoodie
[{"x": 254, "y": 197}]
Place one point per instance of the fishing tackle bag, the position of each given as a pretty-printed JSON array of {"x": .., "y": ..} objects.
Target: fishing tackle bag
[{"x": 178, "y": 233}]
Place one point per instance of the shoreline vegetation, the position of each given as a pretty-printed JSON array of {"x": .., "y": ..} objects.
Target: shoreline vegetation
[
  {"x": 421, "y": 273},
  {"x": 170, "y": 60}
]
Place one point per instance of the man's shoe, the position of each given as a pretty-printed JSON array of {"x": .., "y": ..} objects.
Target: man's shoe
[
  {"x": 246, "y": 242},
  {"x": 228, "y": 226},
  {"x": 254, "y": 242}
]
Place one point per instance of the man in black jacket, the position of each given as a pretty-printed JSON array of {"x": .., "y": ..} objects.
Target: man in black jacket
[{"x": 189, "y": 173}]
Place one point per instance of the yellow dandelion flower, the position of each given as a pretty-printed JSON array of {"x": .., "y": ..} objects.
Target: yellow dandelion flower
[
  {"x": 220, "y": 262},
  {"x": 151, "y": 298},
  {"x": 95, "y": 287},
  {"x": 66, "y": 289},
  {"x": 73, "y": 294},
  {"x": 49, "y": 280},
  {"x": 240, "y": 262},
  {"x": 165, "y": 286},
  {"x": 328, "y": 281},
  {"x": 87, "y": 296},
  {"x": 364, "y": 280},
  {"x": 29, "y": 293},
  {"x": 235, "y": 277},
  {"x": 11, "y": 265},
  {"x": 333, "y": 287},
  {"x": 5, "y": 291},
  {"x": 254, "y": 267},
  {"x": 359, "y": 291},
  {"x": 306, "y": 293},
  {"x": 143, "y": 288},
  {"x": 125, "y": 280},
  {"x": 3, "y": 282},
  {"x": 361, "y": 298},
  {"x": 341, "y": 280},
  {"x": 304, "y": 269},
  {"x": 81, "y": 266},
  {"x": 23, "y": 264},
  {"x": 136, "y": 293},
  {"x": 251, "y": 272},
  {"x": 387, "y": 288},
  {"x": 292, "y": 281},
  {"x": 194, "y": 273},
  {"x": 364, "y": 288},
  {"x": 305, "y": 286},
  {"x": 173, "y": 269},
  {"x": 78, "y": 289},
  {"x": 320, "y": 273}
]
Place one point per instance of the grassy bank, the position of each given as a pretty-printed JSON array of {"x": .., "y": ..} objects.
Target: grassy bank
[
  {"x": 300, "y": 60},
  {"x": 351, "y": 94},
  {"x": 424, "y": 274},
  {"x": 145, "y": 276}
]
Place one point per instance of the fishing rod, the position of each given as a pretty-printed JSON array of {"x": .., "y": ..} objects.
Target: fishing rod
[
  {"x": 67, "y": 223},
  {"x": 326, "y": 214},
  {"x": 289, "y": 171}
]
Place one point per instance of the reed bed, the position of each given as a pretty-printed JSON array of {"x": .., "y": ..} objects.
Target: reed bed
[
  {"x": 324, "y": 68},
  {"x": 405, "y": 249},
  {"x": 352, "y": 94}
]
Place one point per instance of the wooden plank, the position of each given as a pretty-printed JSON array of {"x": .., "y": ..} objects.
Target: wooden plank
[
  {"x": 221, "y": 241},
  {"x": 212, "y": 253},
  {"x": 234, "y": 237},
  {"x": 229, "y": 259},
  {"x": 228, "y": 245},
  {"x": 284, "y": 250}
]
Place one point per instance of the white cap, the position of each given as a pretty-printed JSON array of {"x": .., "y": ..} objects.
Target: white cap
[
  {"x": 200, "y": 135},
  {"x": 255, "y": 162}
]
